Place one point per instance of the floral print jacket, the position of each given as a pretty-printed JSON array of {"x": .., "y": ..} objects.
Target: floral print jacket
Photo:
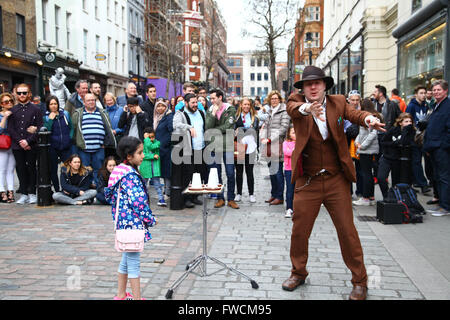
[{"x": 134, "y": 207}]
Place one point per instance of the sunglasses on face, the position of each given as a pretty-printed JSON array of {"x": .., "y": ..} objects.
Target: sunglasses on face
[
  {"x": 7, "y": 101},
  {"x": 20, "y": 93}
]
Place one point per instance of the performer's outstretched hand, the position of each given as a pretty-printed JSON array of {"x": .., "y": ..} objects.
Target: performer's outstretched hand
[
  {"x": 316, "y": 110},
  {"x": 374, "y": 123}
]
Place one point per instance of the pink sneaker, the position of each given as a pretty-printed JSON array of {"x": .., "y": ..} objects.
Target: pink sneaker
[{"x": 127, "y": 297}]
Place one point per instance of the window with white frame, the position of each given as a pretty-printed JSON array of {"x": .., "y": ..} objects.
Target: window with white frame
[
  {"x": 57, "y": 25},
  {"x": 312, "y": 14},
  {"x": 85, "y": 47},
  {"x": 315, "y": 40},
  {"x": 44, "y": 19},
  {"x": 96, "y": 9},
  {"x": 68, "y": 24}
]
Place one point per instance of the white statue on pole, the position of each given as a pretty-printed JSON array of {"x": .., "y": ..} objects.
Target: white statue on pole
[{"x": 58, "y": 88}]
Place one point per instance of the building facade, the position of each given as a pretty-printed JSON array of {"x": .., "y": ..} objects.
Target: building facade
[
  {"x": 214, "y": 71},
  {"x": 18, "y": 48},
  {"x": 307, "y": 42},
  {"x": 137, "y": 62},
  {"x": 164, "y": 45},
  {"x": 359, "y": 49},
  {"x": 192, "y": 26},
  {"x": 88, "y": 39},
  {"x": 423, "y": 44},
  {"x": 235, "y": 64},
  {"x": 256, "y": 75}
]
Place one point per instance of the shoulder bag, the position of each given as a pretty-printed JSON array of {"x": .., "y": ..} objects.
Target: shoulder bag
[
  {"x": 5, "y": 142},
  {"x": 128, "y": 240}
]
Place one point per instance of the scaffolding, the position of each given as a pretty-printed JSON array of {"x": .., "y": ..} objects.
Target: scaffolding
[{"x": 164, "y": 33}]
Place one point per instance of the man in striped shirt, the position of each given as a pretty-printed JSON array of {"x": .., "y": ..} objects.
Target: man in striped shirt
[{"x": 92, "y": 133}]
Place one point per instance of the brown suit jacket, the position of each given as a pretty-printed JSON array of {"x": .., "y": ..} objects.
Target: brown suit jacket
[{"x": 337, "y": 109}]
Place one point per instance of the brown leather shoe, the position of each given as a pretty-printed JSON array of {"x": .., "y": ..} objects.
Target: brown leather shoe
[
  {"x": 233, "y": 204},
  {"x": 270, "y": 200},
  {"x": 276, "y": 202},
  {"x": 358, "y": 293},
  {"x": 292, "y": 283},
  {"x": 220, "y": 203}
]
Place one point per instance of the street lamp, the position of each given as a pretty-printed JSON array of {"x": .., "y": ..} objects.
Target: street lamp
[{"x": 309, "y": 41}]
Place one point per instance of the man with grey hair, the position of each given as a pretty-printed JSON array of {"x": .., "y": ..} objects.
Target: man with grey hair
[
  {"x": 437, "y": 145},
  {"x": 76, "y": 101},
  {"x": 130, "y": 91}
]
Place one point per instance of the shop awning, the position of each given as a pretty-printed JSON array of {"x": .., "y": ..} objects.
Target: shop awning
[{"x": 419, "y": 17}]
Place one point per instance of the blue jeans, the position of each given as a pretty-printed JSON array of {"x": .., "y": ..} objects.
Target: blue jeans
[
  {"x": 417, "y": 168},
  {"x": 289, "y": 190},
  {"x": 130, "y": 264},
  {"x": 440, "y": 157},
  {"x": 277, "y": 181},
  {"x": 93, "y": 160},
  {"x": 156, "y": 182},
  {"x": 228, "y": 159},
  {"x": 101, "y": 198}
]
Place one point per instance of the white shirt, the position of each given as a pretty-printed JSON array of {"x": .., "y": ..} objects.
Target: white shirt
[{"x": 322, "y": 125}]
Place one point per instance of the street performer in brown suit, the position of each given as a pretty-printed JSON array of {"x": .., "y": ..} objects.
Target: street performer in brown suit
[{"x": 322, "y": 173}]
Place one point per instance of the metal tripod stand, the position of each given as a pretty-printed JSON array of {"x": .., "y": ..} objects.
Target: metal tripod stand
[{"x": 201, "y": 260}]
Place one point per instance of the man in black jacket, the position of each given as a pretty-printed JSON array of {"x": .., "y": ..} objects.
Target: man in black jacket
[
  {"x": 134, "y": 120},
  {"x": 389, "y": 109},
  {"x": 149, "y": 105}
]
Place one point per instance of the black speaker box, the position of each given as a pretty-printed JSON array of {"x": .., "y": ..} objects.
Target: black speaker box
[{"x": 390, "y": 213}]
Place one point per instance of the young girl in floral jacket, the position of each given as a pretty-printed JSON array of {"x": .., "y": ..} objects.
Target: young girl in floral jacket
[{"x": 134, "y": 210}]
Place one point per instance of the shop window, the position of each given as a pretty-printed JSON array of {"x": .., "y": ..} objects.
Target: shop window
[{"x": 422, "y": 60}]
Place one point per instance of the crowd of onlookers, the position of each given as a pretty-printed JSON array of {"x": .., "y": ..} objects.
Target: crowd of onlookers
[{"x": 200, "y": 130}]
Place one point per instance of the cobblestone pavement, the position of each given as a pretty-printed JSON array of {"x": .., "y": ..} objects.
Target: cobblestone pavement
[{"x": 67, "y": 253}]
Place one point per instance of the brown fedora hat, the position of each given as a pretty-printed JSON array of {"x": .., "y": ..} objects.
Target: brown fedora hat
[{"x": 314, "y": 73}]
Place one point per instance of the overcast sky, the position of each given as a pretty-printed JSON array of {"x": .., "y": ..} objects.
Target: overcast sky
[{"x": 235, "y": 14}]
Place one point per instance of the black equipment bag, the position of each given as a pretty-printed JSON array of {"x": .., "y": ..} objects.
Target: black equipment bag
[{"x": 403, "y": 193}]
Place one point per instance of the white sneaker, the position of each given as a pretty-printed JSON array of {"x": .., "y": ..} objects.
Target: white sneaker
[
  {"x": 441, "y": 212},
  {"x": 373, "y": 202},
  {"x": 362, "y": 202},
  {"x": 288, "y": 213},
  {"x": 23, "y": 199},
  {"x": 33, "y": 199},
  {"x": 238, "y": 198},
  {"x": 252, "y": 199}
]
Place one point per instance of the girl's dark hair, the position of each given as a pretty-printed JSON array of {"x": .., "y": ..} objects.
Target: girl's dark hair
[
  {"x": 49, "y": 99},
  {"x": 369, "y": 106},
  {"x": 103, "y": 171},
  {"x": 127, "y": 146},
  {"x": 149, "y": 130}
]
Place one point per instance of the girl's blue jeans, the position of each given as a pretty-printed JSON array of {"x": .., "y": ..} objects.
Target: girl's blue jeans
[{"x": 130, "y": 264}]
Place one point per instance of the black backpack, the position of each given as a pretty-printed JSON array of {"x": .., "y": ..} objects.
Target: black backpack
[{"x": 403, "y": 193}]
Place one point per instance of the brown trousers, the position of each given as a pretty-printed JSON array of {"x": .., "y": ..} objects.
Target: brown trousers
[{"x": 334, "y": 193}]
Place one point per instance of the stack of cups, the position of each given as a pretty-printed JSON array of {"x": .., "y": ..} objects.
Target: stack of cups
[
  {"x": 213, "y": 179},
  {"x": 196, "y": 181}
]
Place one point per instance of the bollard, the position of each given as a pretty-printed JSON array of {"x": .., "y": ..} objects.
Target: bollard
[
  {"x": 176, "y": 188},
  {"x": 44, "y": 192}
]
